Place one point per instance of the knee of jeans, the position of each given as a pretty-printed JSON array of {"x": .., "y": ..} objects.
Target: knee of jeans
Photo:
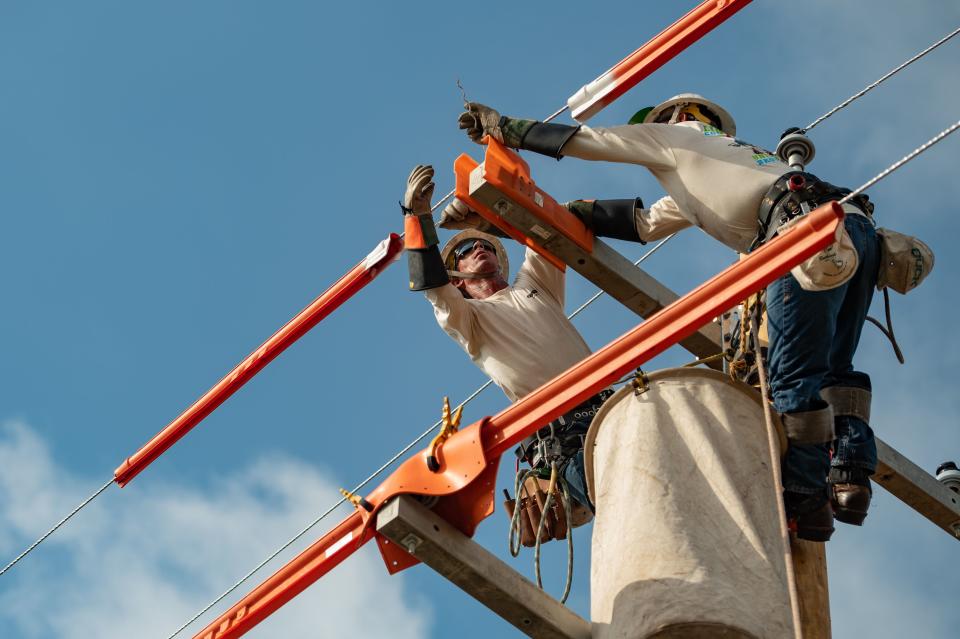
[{"x": 855, "y": 379}]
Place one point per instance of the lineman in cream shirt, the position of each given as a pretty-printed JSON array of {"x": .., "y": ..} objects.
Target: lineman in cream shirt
[
  {"x": 737, "y": 193},
  {"x": 518, "y": 335}
]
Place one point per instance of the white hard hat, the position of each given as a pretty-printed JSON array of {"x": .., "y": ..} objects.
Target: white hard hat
[
  {"x": 472, "y": 234},
  {"x": 727, "y": 125}
]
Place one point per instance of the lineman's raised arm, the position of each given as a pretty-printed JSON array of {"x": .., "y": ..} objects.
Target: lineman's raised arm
[
  {"x": 631, "y": 144},
  {"x": 420, "y": 240}
]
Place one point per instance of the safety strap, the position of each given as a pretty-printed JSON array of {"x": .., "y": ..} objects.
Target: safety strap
[
  {"x": 809, "y": 427},
  {"x": 848, "y": 401}
]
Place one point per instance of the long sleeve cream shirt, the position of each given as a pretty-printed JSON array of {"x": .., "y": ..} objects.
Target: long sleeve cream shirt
[{"x": 519, "y": 336}]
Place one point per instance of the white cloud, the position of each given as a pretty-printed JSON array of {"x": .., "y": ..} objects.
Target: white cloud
[{"x": 140, "y": 562}]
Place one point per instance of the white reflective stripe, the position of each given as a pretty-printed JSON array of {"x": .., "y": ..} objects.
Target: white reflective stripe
[
  {"x": 589, "y": 99},
  {"x": 377, "y": 254},
  {"x": 343, "y": 541}
]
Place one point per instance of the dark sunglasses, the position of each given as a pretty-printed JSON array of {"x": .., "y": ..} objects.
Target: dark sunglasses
[{"x": 466, "y": 247}]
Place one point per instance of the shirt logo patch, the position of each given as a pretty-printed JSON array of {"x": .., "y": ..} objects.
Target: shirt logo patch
[{"x": 760, "y": 156}]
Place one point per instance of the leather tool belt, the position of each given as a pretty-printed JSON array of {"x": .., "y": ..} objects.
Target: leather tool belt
[{"x": 570, "y": 429}]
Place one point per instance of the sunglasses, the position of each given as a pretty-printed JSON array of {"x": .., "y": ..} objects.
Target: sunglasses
[{"x": 466, "y": 247}]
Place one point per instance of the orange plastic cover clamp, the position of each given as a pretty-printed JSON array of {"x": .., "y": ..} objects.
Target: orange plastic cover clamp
[
  {"x": 470, "y": 457},
  {"x": 510, "y": 174},
  {"x": 462, "y": 167},
  {"x": 342, "y": 290},
  {"x": 623, "y": 76}
]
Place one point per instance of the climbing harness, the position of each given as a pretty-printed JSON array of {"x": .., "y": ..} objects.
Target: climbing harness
[
  {"x": 796, "y": 193},
  {"x": 569, "y": 430}
]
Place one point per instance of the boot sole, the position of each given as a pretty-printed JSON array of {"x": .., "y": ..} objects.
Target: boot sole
[
  {"x": 851, "y": 517},
  {"x": 820, "y": 535}
]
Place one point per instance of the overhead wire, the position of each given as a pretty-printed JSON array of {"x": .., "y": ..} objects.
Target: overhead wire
[
  {"x": 896, "y": 165},
  {"x": 888, "y": 75},
  {"x": 57, "y": 525}
]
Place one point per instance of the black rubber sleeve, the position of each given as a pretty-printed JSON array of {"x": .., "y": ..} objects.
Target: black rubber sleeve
[
  {"x": 546, "y": 139},
  {"x": 609, "y": 218},
  {"x": 426, "y": 269}
]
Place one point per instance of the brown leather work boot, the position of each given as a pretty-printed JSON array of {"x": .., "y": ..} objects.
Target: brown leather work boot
[
  {"x": 850, "y": 493},
  {"x": 809, "y": 516}
]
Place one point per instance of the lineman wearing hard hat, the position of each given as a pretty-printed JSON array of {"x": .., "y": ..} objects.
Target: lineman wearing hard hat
[
  {"x": 738, "y": 193},
  {"x": 517, "y": 334}
]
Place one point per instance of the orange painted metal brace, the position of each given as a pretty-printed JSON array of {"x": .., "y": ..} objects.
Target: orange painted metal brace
[
  {"x": 701, "y": 20},
  {"x": 386, "y": 252},
  {"x": 469, "y": 459}
]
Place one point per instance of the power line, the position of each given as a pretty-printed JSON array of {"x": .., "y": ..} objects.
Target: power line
[
  {"x": 59, "y": 523},
  {"x": 896, "y": 165},
  {"x": 878, "y": 82}
]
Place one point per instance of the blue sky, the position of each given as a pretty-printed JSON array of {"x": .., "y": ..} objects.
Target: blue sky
[{"x": 181, "y": 178}]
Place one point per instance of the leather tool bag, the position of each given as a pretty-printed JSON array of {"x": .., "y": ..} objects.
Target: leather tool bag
[
  {"x": 905, "y": 261},
  {"x": 533, "y": 498}
]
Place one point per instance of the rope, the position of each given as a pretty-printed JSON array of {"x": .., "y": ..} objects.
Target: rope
[
  {"x": 520, "y": 484},
  {"x": 565, "y": 498},
  {"x": 703, "y": 360},
  {"x": 59, "y": 523},
  {"x": 772, "y": 447},
  {"x": 888, "y": 329},
  {"x": 878, "y": 82},
  {"x": 896, "y": 165}
]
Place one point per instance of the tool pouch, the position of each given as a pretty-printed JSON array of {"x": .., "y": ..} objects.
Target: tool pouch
[
  {"x": 905, "y": 261},
  {"x": 533, "y": 498}
]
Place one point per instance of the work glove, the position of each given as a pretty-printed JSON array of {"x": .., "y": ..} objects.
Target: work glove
[
  {"x": 479, "y": 120},
  {"x": 459, "y": 216},
  {"x": 419, "y": 191}
]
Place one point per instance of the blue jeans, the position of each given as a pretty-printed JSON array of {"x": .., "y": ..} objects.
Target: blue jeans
[
  {"x": 573, "y": 471},
  {"x": 813, "y": 336}
]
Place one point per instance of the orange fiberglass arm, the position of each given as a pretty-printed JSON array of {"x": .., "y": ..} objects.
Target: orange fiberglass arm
[
  {"x": 343, "y": 289},
  {"x": 465, "y": 480},
  {"x": 593, "y": 97}
]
